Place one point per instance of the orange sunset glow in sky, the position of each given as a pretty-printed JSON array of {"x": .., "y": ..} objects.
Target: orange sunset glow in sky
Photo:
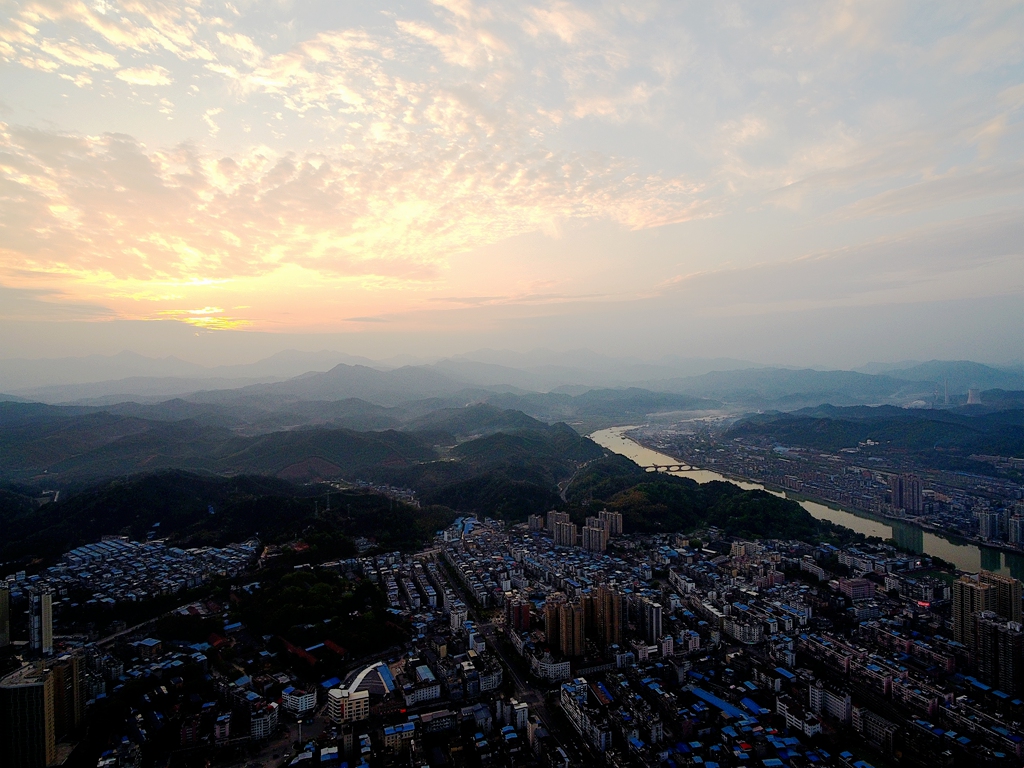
[{"x": 545, "y": 167}]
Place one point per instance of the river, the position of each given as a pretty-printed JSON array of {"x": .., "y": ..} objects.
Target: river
[{"x": 965, "y": 555}]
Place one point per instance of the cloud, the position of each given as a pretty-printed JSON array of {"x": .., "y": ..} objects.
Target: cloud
[
  {"x": 75, "y": 55},
  {"x": 46, "y": 304},
  {"x": 145, "y": 76},
  {"x": 144, "y": 27},
  {"x": 108, "y": 206},
  {"x": 958, "y": 259},
  {"x": 208, "y": 119},
  {"x": 930, "y": 193},
  {"x": 376, "y": 146},
  {"x": 210, "y": 318}
]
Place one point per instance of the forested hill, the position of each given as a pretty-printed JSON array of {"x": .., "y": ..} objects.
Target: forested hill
[
  {"x": 655, "y": 502},
  {"x": 504, "y": 474},
  {"x": 62, "y": 447},
  {"x": 100, "y": 445},
  {"x": 916, "y": 430},
  {"x": 122, "y": 474},
  {"x": 192, "y": 510}
]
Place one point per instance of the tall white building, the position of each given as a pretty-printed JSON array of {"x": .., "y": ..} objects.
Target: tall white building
[
  {"x": 40, "y": 634},
  {"x": 652, "y": 620},
  {"x": 344, "y": 706},
  {"x": 263, "y": 721},
  {"x": 988, "y": 525},
  {"x": 298, "y": 701},
  {"x": 1015, "y": 530}
]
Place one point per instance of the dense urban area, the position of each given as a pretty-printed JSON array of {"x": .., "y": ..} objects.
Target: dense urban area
[
  {"x": 490, "y": 384},
  {"x": 537, "y": 643},
  {"x": 867, "y": 475}
]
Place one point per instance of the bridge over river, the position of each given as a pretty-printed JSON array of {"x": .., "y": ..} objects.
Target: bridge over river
[{"x": 966, "y": 555}]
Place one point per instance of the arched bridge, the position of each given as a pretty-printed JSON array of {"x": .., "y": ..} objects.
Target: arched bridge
[{"x": 667, "y": 467}]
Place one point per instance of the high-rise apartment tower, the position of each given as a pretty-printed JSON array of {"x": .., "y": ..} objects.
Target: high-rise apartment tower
[
  {"x": 27, "y": 735},
  {"x": 5, "y": 615},
  {"x": 40, "y": 616}
]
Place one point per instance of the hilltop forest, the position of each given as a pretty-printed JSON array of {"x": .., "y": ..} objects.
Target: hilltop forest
[{"x": 198, "y": 484}]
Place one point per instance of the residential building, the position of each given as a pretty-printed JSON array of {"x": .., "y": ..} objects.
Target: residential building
[
  {"x": 345, "y": 706},
  {"x": 1000, "y": 653},
  {"x": 41, "y": 622},
  {"x": 517, "y": 614},
  {"x": 1007, "y": 599},
  {"x": 611, "y": 615},
  {"x": 831, "y": 702},
  {"x": 970, "y": 596},
  {"x": 857, "y": 589},
  {"x": 565, "y": 534},
  {"x": 875, "y": 729},
  {"x": 570, "y": 630},
  {"x": 1015, "y": 530},
  {"x": 595, "y": 539},
  {"x": 68, "y": 694},
  {"x": 614, "y": 521},
  {"x": 298, "y": 701},
  {"x": 5, "y": 615},
  {"x": 27, "y": 730},
  {"x": 988, "y": 525},
  {"x": 651, "y": 618},
  {"x": 263, "y": 720},
  {"x": 906, "y": 493},
  {"x": 554, "y": 518},
  {"x": 552, "y": 620}
]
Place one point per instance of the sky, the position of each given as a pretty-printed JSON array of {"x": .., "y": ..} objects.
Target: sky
[{"x": 805, "y": 183}]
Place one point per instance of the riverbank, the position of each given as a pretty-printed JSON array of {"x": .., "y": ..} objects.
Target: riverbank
[
  {"x": 957, "y": 539},
  {"x": 967, "y": 555}
]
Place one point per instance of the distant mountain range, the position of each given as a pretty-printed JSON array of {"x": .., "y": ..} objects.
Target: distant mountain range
[
  {"x": 541, "y": 383},
  {"x": 22, "y": 374},
  {"x": 936, "y": 438},
  {"x": 961, "y": 375},
  {"x": 99, "y": 380},
  {"x": 478, "y": 458},
  {"x": 475, "y": 436}
]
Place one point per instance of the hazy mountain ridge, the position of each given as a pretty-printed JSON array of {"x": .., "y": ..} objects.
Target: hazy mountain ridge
[
  {"x": 74, "y": 444},
  {"x": 142, "y": 388},
  {"x": 791, "y": 389},
  {"x": 293, "y": 376},
  {"x": 95, "y": 446},
  {"x": 477, "y": 419},
  {"x": 350, "y": 381},
  {"x": 102, "y": 380},
  {"x": 587, "y": 368},
  {"x": 479, "y": 458},
  {"x": 21, "y": 373},
  {"x": 921, "y": 431},
  {"x": 961, "y": 375},
  {"x": 258, "y": 413},
  {"x": 754, "y": 387}
]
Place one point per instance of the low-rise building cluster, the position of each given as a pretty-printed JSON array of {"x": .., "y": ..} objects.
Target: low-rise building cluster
[{"x": 529, "y": 647}]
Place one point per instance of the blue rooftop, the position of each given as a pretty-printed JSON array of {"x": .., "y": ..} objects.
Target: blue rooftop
[{"x": 714, "y": 701}]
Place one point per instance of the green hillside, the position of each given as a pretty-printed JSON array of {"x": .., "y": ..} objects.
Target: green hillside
[
  {"x": 177, "y": 505},
  {"x": 654, "y": 502},
  {"x": 64, "y": 446},
  {"x": 916, "y": 430}
]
